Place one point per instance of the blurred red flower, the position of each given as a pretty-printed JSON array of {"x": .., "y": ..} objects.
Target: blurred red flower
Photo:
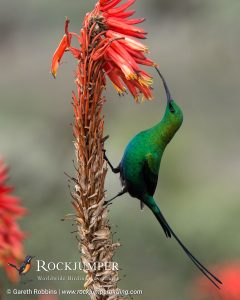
[
  {"x": 116, "y": 47},
  {"x": 229, "y": 273},
  {"x": 11, "y": 237}
]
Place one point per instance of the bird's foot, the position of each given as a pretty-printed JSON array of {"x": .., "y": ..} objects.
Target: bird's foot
[
  {"x": 104, "y": 154},
  {"x": 105, "y": 138},
  {"x": 107, "y": 203},
  {"x": 114, "y": 170}
]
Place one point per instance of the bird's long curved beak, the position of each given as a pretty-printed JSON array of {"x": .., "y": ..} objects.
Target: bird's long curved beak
[{"x": 169, "y": 97}]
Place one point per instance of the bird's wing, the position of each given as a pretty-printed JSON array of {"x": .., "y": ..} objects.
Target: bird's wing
[
  {"x": 22, "y": 267},
  {"x": 150, "y": 172}
]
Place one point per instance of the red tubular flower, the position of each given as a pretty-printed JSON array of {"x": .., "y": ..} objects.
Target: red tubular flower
[
  {"x": 11, "y": 237},
  {"x": 116, "y": 47},
  {"x": 230, "y": 276}
]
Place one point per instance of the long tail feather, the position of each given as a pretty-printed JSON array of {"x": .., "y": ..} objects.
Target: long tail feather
[
  {"x": 156, "y": 211},
  {"x": 13, "y": 266},
  {"x": 165, "y": 227}
]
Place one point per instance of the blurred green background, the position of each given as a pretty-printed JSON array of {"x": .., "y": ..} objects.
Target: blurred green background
[{"x": 196, "y": 43}]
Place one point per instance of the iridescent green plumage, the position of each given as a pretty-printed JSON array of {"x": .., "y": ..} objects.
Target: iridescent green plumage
[
  {"x": 140, "y": 164},
  {"x": 141, "y": 160}
]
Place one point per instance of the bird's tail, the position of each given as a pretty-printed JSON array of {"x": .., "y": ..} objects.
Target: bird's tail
[
  {"x": 13, "y": 266},
  {"x": 168, "y": 231}
]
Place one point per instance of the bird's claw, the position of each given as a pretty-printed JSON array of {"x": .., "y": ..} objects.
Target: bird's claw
[
  {"x": 107, "y": 203},
  {"x": 105, "y": 138},
  {"x": 104, "y": 154}
]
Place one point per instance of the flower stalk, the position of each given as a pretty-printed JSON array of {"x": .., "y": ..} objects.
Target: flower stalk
[
  {"x": 107, "y": 47},
  {"x": 96, "y": 241}
]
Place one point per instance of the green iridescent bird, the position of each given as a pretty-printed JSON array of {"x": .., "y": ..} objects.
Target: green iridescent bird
[{"x": 140, "y": 166}]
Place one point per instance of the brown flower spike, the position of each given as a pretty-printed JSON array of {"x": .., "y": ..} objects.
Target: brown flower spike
[{"x": 107, "y": 46}]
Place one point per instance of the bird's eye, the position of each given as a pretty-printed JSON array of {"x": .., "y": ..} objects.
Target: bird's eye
[{"x": 171, "y": 108}]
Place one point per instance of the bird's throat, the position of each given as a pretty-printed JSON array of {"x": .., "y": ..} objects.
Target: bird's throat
[{"x": 164, "y": 131}]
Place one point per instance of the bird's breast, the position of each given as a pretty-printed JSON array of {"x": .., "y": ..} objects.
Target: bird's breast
[{"x": 26, "y": 269}]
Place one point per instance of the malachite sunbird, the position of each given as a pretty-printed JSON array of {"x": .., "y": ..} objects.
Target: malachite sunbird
[{"x": 140, "y": 164}]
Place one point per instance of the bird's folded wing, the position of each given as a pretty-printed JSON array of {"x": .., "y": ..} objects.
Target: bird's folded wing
[{"x": 150, "y": 172}]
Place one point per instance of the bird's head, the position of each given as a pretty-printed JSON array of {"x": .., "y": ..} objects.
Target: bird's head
[
  {"x": 174, "y": 114},
  {"x": 28, "y": 259}
]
